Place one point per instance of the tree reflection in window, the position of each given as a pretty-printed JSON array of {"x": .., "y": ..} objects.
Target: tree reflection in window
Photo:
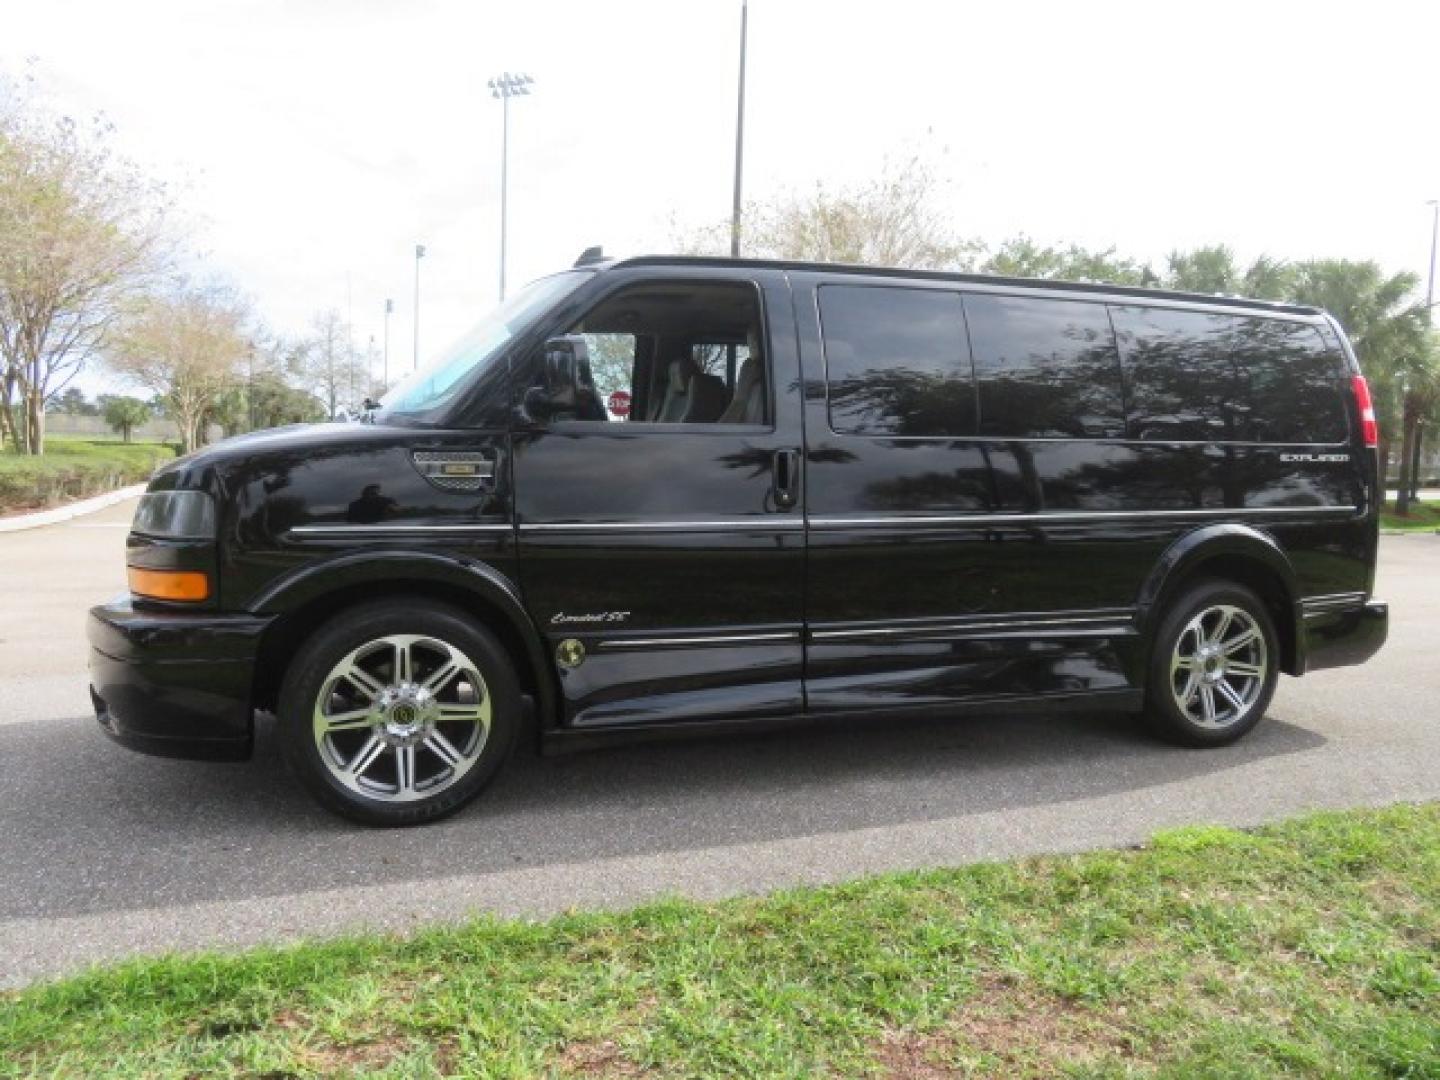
[
  {"x": 897, "y": 361},
  {"x": 1045, "y": 368}
]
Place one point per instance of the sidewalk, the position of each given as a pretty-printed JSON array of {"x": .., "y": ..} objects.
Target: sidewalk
[{"x": 34, "y": 520}]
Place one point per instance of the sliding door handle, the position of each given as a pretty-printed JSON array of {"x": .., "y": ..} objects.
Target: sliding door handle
[{"x": 785, "y": 478}]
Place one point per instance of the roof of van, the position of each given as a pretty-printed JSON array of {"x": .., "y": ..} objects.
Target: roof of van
[{"x": 1215, "y": 299}]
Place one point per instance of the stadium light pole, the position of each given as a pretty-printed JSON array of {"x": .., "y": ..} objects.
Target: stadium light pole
[
  {"x": 503, "y": 87},
  {"x": 739, "y": 135}
]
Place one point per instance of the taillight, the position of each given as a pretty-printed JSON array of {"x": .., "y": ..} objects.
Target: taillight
[{"x": 1368, "y": 425}]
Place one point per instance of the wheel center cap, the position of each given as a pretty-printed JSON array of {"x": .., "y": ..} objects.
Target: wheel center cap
[{"x": 405, "y": 714}]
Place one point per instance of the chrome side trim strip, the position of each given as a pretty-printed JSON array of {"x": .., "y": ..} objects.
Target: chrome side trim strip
[
  {"x": 1060, "y": 517},
  {"x": 621, "y": 644},
  {"x": 953, "y": 633},
  {"x": 1321, "y": 605},
  {"x": 752, "y": 524},
  {"x": 1106, "y": 624},
  {"x": 343, "y": 530}
]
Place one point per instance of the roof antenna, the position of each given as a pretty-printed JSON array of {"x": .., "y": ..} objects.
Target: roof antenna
[{"x": 590, "y": 256}]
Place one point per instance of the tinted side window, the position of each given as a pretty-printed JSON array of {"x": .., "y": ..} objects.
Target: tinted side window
[
  {"x": 1181, "y": 379},
  {"x": 1045, "y": 368},
  {"x": 1294, "y": 382},
  {"x": 896, "y": 361}
]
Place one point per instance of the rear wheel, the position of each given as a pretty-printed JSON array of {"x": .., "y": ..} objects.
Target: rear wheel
[
  {"x": 398, "y": 713},
  {"x": 1213, "y": 666}
]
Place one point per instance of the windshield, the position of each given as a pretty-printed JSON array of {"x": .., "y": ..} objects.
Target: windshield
[{"x": 435, "y": 385}]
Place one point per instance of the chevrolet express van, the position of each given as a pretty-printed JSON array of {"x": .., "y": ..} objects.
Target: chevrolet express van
[{"x": 707, "y": 495}]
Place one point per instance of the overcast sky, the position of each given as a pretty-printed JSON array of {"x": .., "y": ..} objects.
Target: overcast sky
[{"x": 316, "y": 142}]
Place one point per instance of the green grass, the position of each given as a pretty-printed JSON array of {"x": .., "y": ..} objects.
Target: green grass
[
  {"x": 1305, "y": 949},
  {"x": 1423, "y": 516},
  {"x": 74, "y": 469}
]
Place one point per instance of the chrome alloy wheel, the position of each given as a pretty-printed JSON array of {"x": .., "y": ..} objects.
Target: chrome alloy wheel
[
  {"x": 1219, "y": 666},
  {"x": 402, "y": 718}
]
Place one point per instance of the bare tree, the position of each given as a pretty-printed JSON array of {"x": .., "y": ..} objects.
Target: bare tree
[
  {"x": 896, "y": 219},
  {"x": 81, "y": 232},
  {"x": 339, "y": 377},
  {"x": 189, "y": 346}
]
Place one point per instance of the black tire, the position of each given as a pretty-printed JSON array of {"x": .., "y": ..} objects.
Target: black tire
[
  {"x": 351, "y": 630},
  {"x": 1164, "y": 684}
]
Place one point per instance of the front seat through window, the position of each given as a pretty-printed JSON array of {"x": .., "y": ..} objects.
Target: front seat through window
[
  {"x": 691, "y": 396},
  {"x": 748, "y": 404}
]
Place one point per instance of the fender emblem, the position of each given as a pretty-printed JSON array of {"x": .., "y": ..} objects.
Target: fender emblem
[{"x": 459, "y": 470}]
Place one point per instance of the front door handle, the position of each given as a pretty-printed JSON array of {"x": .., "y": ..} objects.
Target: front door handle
[{"x": 785, "y": 478}]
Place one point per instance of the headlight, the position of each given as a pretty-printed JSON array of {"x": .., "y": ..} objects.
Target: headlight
[{"x": 175, "y": 515}]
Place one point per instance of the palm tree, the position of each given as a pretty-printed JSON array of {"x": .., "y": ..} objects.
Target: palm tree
[{"x": 1388, "y": 328}]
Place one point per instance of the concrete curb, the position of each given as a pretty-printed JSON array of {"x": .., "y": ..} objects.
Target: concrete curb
[{"x": 69, "y": 510}]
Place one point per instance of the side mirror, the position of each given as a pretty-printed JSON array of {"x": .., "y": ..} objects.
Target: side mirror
[
  {"x": 566, "y": 390},
  {"x": 564, "y": 359}
]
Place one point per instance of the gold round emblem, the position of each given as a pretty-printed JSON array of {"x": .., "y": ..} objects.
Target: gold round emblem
[{"x": 570, "y": 653}]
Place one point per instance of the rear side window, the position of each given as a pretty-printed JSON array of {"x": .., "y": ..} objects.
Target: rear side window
[
  {"x": 1294, "y": 382},
  {"x": 1045, "y": 368},
  {"x": 1180, "y": 377},
  {"x": 896, "y": 361},
  {"x": 1220, "y": 378}
]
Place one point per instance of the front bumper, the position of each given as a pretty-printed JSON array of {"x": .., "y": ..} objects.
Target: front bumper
[
  {"x": 175, "y": 684},
  {"x": 1345, "y": 637}
]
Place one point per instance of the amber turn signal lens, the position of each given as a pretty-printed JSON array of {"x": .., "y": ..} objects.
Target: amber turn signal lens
[{"x": 168, "y": 584}]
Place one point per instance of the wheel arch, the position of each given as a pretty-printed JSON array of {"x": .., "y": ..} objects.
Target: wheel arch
[
  {"x": 1236, "y": 553},
  {"x": 303, "y": 601}
]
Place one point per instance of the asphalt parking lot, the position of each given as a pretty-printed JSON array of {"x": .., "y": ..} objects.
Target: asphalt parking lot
[{"x": 107, "y": 853}]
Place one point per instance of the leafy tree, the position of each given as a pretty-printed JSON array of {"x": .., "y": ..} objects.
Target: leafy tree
[
  {"x": 72, "y": 402},
  {"x": 1021, "y": 256},
  {"x": 188, "y": 345},
  {"x": 125, "y": 414},
  {"x": 81, "y": 232},
  {"x": 274, "y": 403},
  {"x": 1387, "y": 327}
]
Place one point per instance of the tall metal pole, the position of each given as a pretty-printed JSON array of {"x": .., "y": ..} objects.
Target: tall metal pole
[
  {"x": 350, "y": 333},
  {"x": 419, "y": 254},
  {"x": 504, "y": 181},
  {"x": 1434, "y": 236},
  {"x": 389, "y": 307},
  {"x": 739, "y": 135}
]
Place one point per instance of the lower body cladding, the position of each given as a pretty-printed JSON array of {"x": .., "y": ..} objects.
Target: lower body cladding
[
  {"x": 180, "y": 684},
  {"x": 632, "y": 687},
  {"x": 174, "y": 685}
]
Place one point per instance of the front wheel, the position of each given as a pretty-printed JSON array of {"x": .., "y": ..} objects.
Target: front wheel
[
  {"x": 398, "y": 713},
  {"x": 1213, "y": 666}
]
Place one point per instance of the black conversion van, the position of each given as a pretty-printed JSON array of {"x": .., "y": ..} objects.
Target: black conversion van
[{"x": 710, "y": 494}]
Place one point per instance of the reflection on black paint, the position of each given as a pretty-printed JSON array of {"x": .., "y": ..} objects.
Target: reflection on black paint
[{"x": 371, "y": 506}]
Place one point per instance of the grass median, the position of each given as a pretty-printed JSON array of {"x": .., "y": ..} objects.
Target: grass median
[
  {"x": 1423, "y": 517},
  {"x": 74, "y": 469},
  {"x": 1310, "y": 948}
]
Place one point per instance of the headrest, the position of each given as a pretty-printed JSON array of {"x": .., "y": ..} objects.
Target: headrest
[{"x": 682, "y": 370}]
